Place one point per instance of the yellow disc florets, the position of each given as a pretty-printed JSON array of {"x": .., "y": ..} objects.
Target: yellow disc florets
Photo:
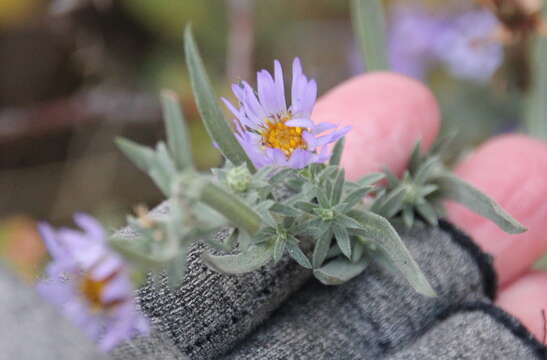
[
  {"x": 92, "y": 290},
  {"x": 280, "y": 136}
]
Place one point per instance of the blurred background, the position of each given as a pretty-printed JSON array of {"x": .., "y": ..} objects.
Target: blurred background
[{"x": 74, "y": 74}]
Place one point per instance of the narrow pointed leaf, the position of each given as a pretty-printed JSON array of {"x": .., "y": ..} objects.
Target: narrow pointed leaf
[
  {"x": 426, "y": 170},
  {"x": 342, "y": 239},
  {"x": 458, "y": 190},
  {"x": 279, "y": 249},
  {"x": 391, "y": 203},
  {"x": 176, "y": 270},
  {"x": 285, "y": 210},
  {"x": 339, "y": 270},
  {"x": 369, "y": 28},
  {"x": 217, "y": 127},
  {"x": 178, "y": 139},
  {"x": 338, "y": 187},
  {"x": 379, "y": 230},
  {"x": 298, "y": 255},
  {"x": 141, "y": 156},
  {"x": 408, "y": 216},
  {"x": 354, "y": 198},
  {"x": 371, "y": 179},
  {"x": 358, "y": 251},
  {"x": 252, "y": 259},
  {"x": 322, "y": 246},
  {"x": 428, "y": 213},
  {"x": 415, "y": 157},
  {"x": 337, "y": 151}
]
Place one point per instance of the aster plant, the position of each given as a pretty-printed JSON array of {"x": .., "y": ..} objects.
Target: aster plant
[{"x": 281, "y": 191}]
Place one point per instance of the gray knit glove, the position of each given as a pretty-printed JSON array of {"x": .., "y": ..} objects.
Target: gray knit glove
[{"x": 279, "y": 312}]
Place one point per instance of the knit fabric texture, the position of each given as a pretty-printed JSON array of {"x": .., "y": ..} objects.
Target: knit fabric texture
[{"x": 280, "y": 312}]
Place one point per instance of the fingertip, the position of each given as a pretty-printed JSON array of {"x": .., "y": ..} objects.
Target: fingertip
[
  {"x": 388, "y": 114},
  {"x": 511, "y": 169},
  {"x": 525, "y": 299}
]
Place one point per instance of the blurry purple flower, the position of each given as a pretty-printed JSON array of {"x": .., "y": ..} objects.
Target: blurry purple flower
[
  {"x": 464, "y": 47},
  {"x": 90, "y": 284},
  {"x": 412, "y": 31},
  {"x": 272, "y": 133}
]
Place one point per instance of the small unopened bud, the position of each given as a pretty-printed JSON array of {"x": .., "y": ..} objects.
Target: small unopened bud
[
  {"x": 239, "y": 178},
  {"x": 142, "y": 215}
]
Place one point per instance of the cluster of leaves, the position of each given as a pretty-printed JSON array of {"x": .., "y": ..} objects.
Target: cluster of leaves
[
  {"x": 424, "y": 186},
  {"x": 314, "y": 214}
]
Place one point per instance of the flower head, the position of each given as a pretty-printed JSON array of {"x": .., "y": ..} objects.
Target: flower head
[
  {"x": 272, "y": 133},
  {"x": 90, "y": 284},
  {"x": 465, "y": 48}
]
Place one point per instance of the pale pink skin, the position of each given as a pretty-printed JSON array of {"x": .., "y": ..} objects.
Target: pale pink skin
[{"x": 389, "y": 113}]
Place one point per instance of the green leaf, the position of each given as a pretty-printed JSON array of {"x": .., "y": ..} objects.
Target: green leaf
[
  {"x": 337, "y": 151},
  {"x": 428, "y": 213},
  {"x": 279, "y": 249},
  {"x": 379, "y": 230},
  {"x": 217, "y": 127},
  {"x": 370, "y": 179},
  {"x": 358, "y": 250},
  {"x": 368, "y": 25},
  {"x": 178, "y": 139},
  {"x": 176, "y": 269},
  {"x": 252, "y": 259},
  {"x": 536, "y": 101},
  {"x": 415, "y": 157},
  {"x": 298, "y": 255},
  {"x": 391, "y": 203},
  {"x": 141, "y": 156},
  {"x": 321, "y": 248},
  {"x": 354, "y": 198},
  {"x": 408, "y": 216},
  {"x": 305, "y": 206},
  {"x": 339, "y": 270},
  {"x": 427, "y": 170},
  {"x": 342, "y": 239},
  {"x": 285, "y": 210},
  {"x": 230, "y": 206},
  {"x": 336, "y": 192},
  {"x": 458, "y": 190}
]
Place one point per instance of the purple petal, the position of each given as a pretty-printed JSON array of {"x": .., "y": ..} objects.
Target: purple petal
[
  {"x": 310, "y": 140},
  {"x": 305, "y": 123},
  {"x": 48, "y": 235},
  {"x": 106, "y": 267},
  {"x": 91, "y": 226},
  {"x": 319, "y": 128},
  {"x": 279, "y": 87},
  {"x": 118, "y": 288}
]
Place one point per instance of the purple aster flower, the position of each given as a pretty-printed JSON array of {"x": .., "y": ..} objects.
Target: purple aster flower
[
  {"x": 412, "y": 30},
  {"x": 272, "y": 133},
  {"x": 465, "y": 48},
  {"x": 90, "y": 284}
]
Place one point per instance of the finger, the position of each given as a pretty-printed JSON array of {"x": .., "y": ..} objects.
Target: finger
[
  {"x": 388, "y": 113},
  {"x": 525, "y": 299},
  {"x": 511, "y": 169}
]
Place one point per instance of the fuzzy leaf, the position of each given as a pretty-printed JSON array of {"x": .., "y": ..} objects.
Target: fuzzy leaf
[
  {"x": 428, "y": 213},
  {"x": 217, "y": 127},
  {"x": 339, "y": 270},
  {"x": 305, "y": 206},
  {"x": 379, "y": 230},
  {"x": 391, "y": 203},
  {"x": 415, "y": 157},
  {"x": 279, "y": 249},
  {"x": 358, "y": 251},
  {"x": 337, "y": 151},
  {"x": 408, "y": 216},
  {"x": 298, "y": 255},
  {"x": 426, "y": 170},
  {"x": 285, "y": 210},
  {"x": 458, "y": 190},
  {"x": 370, "y": 179},
  {"x": 176, "y": 269},
  {"x": 141, "y": 156},
  {"x": 178, "y": 138},
  {"x": 354, "y": 198},
  {"x": 321, "y": 249},
  {"x": 252, "y": 259},
  {"x": 336, "y": 192},
  {"x": 342, "y": 239}
]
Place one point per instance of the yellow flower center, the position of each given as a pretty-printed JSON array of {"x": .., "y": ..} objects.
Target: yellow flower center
[
  {"x": 280, "y": 136},
  {"x": 92, "y": 290}
]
